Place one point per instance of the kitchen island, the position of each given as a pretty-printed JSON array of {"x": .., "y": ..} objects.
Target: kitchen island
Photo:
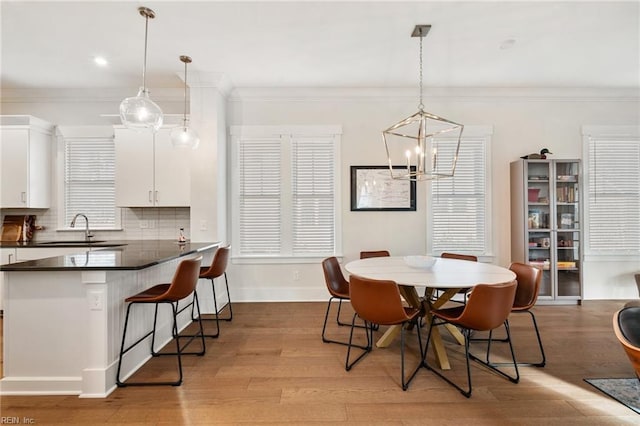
[{"x": 64, "y": 315}]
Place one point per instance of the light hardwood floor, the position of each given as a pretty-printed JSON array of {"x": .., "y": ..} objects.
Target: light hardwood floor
[{"x": 269, "y": 366}]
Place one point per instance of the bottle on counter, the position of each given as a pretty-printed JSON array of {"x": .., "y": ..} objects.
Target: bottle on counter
[{"x": 181, "y": 238}]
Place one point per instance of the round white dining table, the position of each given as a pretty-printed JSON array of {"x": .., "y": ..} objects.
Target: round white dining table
[
  {"x": 448, "y": 275},
  {"x": 444, "y": 274}
]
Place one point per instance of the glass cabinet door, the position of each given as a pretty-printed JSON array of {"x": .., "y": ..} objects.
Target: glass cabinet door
[
  {"x": 567, "y": 244},
  {"x": 539, "y": 221}
]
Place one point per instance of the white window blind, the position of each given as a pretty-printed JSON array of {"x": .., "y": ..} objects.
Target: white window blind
[
  {"x": 260, "y": 217},
  {"x": 89, "y": 181},
  {"x": 613, "y": 195},
  {"x": 313, "y": 196},
  {"x": 285, "y": 192},
  {"x": 458, "y": 207}
]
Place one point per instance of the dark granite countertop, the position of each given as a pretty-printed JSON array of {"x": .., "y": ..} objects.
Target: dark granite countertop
[
  {"x": 128, "y": 255},
  {"x": 66, "y": 243}
]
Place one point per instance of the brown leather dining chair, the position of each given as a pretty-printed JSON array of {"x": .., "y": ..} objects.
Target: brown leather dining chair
[
  {"x": 488, "y": 309},
  {"x": 467, "y": 257},
  {"x": 374, "y": 253},
  {"x": 528, "y": 278},
  {"x": 217, "y": 269},
  {"x": 338, "y": 288},
  {"x": 181, "y": 287},
  {"x": 379, "y": 302}
]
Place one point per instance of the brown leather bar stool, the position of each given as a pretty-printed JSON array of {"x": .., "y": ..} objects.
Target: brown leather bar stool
[
  {"x": 182, "y": 286},
  {"x": 217, "y": 269}
]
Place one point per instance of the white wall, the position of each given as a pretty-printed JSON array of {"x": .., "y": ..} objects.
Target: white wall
[{"x": 523, "y": 120}]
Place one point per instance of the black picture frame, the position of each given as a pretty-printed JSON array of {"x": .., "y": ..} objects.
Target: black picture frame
[{"x": 373, "y": 189}]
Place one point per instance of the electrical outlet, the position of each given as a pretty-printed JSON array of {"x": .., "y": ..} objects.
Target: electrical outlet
[
  {"x": 296, "y": 275},
  {"x": 144, "y": 224},
  {"x": 203, "y": 225},
  {"x": 95, "y": 301}
]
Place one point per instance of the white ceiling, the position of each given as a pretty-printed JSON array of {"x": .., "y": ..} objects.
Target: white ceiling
[{"x": 322, "y": 44}]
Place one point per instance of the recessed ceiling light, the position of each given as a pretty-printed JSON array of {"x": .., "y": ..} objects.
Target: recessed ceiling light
[
  {"x": 100, "y": 61},
  {"x": 507, "y": 44}
]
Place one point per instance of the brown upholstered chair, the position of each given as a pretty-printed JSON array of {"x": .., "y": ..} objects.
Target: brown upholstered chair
[
  {"x": 379, "y": 302},
  {"x": 626, "y": 325},
  {"x": 217, "y": 269},
  {"x": 182, "y": 286},
  {"x": 528, "y": 278},
  {"x": 468, "y": 257},
  {"x": 338, "y": 288},
  {"x": 376, "y": 253},
  {"x": 488, "y": 309}
]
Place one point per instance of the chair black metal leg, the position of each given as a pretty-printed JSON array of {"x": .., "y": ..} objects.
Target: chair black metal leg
[
  {"x": 215, "y": 315},
  {"x": 324, "y": 327},
  {"x": 123, "y": 351},
  {"x": 492, "y": 366},
  {"x": 535, "y": 327},
  {"x": 365, "y": 349},
  {"x": 542, "y": 363},
  {"x": 467, "y": 392},
  {"x": 190, "y": 336},
  {"x": 226, "y": 283},
  {"x": 405, "y": 383}
]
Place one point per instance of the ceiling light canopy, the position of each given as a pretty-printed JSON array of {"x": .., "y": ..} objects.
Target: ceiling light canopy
[
  {"x": 184, "y": 136},
  {"x": 412, "y": 141},
  {"x": 140, "y": 112}
]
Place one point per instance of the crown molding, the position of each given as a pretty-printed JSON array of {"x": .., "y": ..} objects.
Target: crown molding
[
  {"x": 630, "y": 94},
  {"x": 223, "y": 84}
]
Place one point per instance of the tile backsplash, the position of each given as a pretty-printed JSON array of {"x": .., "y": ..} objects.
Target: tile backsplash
[{"x": 148, "y": 223}]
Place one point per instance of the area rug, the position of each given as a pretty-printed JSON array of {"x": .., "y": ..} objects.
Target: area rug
[{"x": 625, "y": 391}]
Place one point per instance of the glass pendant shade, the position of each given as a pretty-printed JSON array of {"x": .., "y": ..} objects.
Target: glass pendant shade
[
  {"x": 184, "y": 137},
  {"x": 140, "y": 112}
]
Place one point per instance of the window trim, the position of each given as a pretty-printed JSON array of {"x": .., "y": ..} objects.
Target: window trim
[
  {"x": 276, "y": 131},
  {"x": 77, "y": 132},
  {"x": 484, "y": 132},
  {"x": 590, "y": 132}
]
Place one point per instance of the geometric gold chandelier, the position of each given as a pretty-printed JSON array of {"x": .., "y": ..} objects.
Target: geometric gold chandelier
[{"x": 412, "y": 141}]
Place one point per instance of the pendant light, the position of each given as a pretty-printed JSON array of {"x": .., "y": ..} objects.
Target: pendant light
[
  {"x": 412, "y": 142},
  {"x": 184, "y": 136},
  {"x": 140, "y": 112}
]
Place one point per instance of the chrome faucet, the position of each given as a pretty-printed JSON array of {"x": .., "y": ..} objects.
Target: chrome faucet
[{"x": 87, "y": 233}]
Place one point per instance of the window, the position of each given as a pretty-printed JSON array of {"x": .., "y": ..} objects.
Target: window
[
  {"x": 88, "y": 177},
  {"x": 612, "y": 190},
  {"x": 458, "y": 208},
  {"x": 286, "y": 191}
]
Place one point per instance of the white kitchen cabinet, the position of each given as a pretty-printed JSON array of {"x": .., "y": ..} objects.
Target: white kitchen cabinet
[
  {"x": 150, "y": 172},
  {"x": 25, "y": 170}
]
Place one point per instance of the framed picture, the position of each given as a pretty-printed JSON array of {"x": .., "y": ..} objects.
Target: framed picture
[{"x": 373, "y": 189}]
